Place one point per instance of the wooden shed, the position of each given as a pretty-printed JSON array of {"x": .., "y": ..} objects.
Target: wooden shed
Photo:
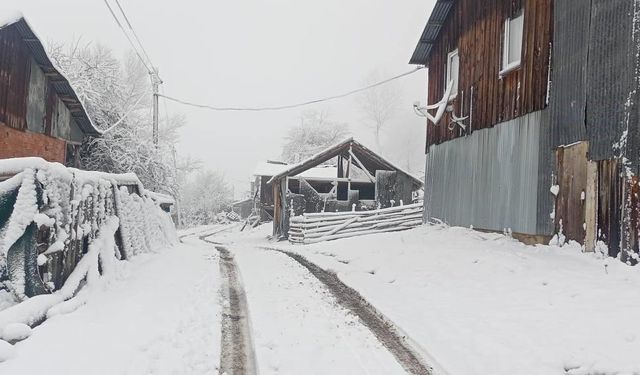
[{"x": 363, "y": 180}]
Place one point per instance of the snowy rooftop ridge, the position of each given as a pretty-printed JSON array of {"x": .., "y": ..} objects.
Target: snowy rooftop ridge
[{"x": 9, "y": 17}]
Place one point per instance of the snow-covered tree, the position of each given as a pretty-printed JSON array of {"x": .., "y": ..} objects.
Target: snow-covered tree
[
  {"x": 313, "y": 133},
  {"x": 205, "y": 194},
  {"x": 378, "y": 105},
  {"x": 110, "y": 90}
]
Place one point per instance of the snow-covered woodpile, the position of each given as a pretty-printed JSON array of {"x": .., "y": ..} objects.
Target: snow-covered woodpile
[
  {"x": 317, "y": 227},
  {"x": 61, "y": 228}
]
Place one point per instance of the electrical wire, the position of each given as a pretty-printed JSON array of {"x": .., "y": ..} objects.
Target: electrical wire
[
  {"x": 128, "y": 37},
  {"x": 290, "y": 106},
  {"x": 135, "y": 35}
]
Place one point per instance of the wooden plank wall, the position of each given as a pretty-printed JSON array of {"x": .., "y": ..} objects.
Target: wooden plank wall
[
  {"x": 572, "y": 180},
  {"x": 15, "y": 70},
  {"x": 476, "y": 28}
]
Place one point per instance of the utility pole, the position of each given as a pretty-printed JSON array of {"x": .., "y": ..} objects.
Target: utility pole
[{"x": 155, "y": 82}]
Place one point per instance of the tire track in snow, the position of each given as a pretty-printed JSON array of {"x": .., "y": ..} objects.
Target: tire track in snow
[
  {"x": 208, "y": 233},
  {"x": 383, "y": 330},
  {"x": 237, "y": 355}
]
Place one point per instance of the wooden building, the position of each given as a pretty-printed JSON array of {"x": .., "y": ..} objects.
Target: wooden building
[
  {"x": 263, "y": 193},
  {"x": 362, "y": 180},
  {"x": 40, "y": 114},
  {"x": 541, "y": 133}
]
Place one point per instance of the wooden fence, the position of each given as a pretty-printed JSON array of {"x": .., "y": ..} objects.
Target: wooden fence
[{"x": 317, "y": 227}]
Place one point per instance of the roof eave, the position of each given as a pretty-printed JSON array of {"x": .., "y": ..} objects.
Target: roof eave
[{"x": 431, "y": 32}]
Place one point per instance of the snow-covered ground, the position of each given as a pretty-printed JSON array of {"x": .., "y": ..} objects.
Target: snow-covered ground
[
  {"x": 475, "y": 303},
  {"x": 298, "y": 328},
  {"x": 486, "y": 304},
  {"x": 159, "y": 315}
]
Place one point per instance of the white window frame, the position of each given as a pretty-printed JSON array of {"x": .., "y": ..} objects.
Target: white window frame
[
  {"x": 508, "y": 66},
  {"x": 454, "y": 90}
]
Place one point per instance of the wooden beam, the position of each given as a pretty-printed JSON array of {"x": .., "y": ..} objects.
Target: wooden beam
[{"x": 362, "y": 167}]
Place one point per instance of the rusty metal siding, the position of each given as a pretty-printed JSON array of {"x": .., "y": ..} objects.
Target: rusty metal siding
[
  {"x": 36, "y": 100},
  {"x": 568, "y": 100},
  {"x": 488, "y": 179},
  {"x": 610, "y": 76},
  {"x": 14, "y": 79}
]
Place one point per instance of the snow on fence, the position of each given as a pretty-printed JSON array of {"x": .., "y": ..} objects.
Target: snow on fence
[
  {"x": 63, "y": 228},
  {"x": 317, "y": 227}
]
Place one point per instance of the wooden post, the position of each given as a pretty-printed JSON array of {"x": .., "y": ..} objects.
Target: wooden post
[
  {"x": 591, "y": 207},
  {"x": 349, "y": 170}
]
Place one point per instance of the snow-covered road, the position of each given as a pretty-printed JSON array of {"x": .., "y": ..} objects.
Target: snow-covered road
[
  {"x": 297, "y": 325},
  {"x": 164, "y": 313}
]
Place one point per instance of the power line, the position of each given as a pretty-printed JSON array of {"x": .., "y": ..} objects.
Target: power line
[
  {"x": 135, "y": 35},
  {"x": 128, "y": 38},
  {"x": 297, "y": 105}
]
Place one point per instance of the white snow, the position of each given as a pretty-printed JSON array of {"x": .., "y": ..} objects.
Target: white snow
[
  {"x": 271, "y": 169},
  {"x": 9, "y": 17},
  {"x": 25, "y": 210},
  {"x": 486, "y": 304},
  {"x": 555, "y": 189},
  {"x": 297, "y": 325},
  {"x": 159, "y": 314},
  {"x": 15, "y": 332},
  {"x": 6, "y": 351}
]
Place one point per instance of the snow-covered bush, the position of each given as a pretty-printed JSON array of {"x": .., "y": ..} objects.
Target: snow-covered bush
[{"x": 51, "y": 217}]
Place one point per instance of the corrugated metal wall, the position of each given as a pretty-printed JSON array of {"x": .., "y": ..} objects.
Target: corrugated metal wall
[
  {"x": 490, "y": 179},
  {"x": 610, "y": 75},
  {"x": 594, "y": 94},
  {"x": 570, "y": 51}
]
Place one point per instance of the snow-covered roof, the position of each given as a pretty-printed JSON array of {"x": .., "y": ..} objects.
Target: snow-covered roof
[
  {"x": 9, "y": 16},
  {"x": 58, "y": 81},
  {"x": 161, "y": 198},
  {"x": 371, "y": 161},
  {"x": 271, "y": 169}
]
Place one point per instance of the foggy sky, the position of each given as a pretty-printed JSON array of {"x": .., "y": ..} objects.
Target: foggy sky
[{"x": 259, "y": 53}]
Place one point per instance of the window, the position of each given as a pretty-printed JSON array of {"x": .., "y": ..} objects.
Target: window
[
  {"x": 512, "y": 43},
  {"x": 453, "y": 71}
]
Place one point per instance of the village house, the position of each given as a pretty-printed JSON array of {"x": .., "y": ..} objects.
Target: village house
[
  {"x": 540, "y": 133},
  {"x": 359, "y": 180},
  {"x": 40, "y": 114}
]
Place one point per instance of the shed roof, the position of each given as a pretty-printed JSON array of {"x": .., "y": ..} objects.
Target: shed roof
[
  {"x": 431, "y": 32},
  {"x": 370, "y": 160},
  {"x": 57, "y": 80},
  {"x": 268, "y": 169}
]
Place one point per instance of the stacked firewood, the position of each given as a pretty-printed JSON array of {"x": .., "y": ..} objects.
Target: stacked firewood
[{"x": 317, "y": 227}]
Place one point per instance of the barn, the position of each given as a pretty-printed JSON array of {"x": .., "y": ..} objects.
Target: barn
[
  {"x": 540, "y": 135},
  {"x": 40, "y": 114}
]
